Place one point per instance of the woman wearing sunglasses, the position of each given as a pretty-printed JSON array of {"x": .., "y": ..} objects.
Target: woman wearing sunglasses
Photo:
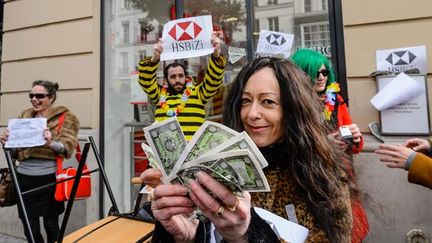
[
  {"x": 336, "y": 113},
  {"x": 37, "y": 165}
]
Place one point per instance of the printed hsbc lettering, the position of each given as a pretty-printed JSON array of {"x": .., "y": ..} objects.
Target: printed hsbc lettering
[
  {"x": 274, "y": 48},
  {"x": 192, "y": 45}
]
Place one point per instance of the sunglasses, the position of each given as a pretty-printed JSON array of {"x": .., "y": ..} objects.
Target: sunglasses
[
  {"x": 324, "y": 72},
  {"x": 38, "y": 96}
]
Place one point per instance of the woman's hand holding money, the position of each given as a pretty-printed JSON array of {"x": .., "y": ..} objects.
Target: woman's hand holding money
[
  {"x": 171, "y": 207},
  {"x": 229, "y": 214}
]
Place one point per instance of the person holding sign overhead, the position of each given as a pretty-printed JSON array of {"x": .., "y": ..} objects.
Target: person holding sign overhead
[
  {"x": 272, "y": 101},
  {"x": 180, "y": 96},
  {"x": 345, "y": 134},
  {"x": 37, "y": 165}
]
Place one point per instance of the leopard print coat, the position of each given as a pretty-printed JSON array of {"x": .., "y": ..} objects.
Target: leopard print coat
[{"x": 284, "y": 190}]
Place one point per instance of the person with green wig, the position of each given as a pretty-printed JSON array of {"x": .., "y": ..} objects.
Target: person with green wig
[{"x": 322, "y": 77}]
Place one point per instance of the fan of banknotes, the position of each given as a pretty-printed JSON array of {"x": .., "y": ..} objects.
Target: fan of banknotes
[{"x": 229, "y": 157}]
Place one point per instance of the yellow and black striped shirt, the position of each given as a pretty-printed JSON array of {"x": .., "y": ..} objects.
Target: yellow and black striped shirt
[{"x": 192, "y": 115}]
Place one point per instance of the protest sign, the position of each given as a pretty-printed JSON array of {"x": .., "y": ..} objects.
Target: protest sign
[
  {"x": 275, "y": 43},
  {"x": 25, "y": 133},
  {"x": 187, "y": 37}
]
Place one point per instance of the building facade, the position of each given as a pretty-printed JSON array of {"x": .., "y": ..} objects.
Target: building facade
[{"x": 91, "y": 48}]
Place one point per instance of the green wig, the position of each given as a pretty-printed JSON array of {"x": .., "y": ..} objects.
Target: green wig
[{"x": 310, "y": 62}]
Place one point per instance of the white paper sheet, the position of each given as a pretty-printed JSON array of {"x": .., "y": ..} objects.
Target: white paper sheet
[
  {"x": 287, "y": 230},
  {"x": 187, "y": 37},
  {"x": 25, "y": 133},
  {"x": 401, "y": 89}
]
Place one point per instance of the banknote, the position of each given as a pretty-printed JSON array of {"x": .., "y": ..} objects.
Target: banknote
[
  {"x": 242, "y": 141},
  {"x": 188, "y": 173},
  {"x": 241, "y": 162},
  {"x": 208, "y": 136},
  {"x": 374, "y": 127},
  {"x": 153, "y": 162},
  {"x": 167, "y": 142}
]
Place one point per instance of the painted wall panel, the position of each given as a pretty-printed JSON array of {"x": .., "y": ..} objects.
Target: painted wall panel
[
  {"x": 71, "y": 72},
  {"x": 371, "y": 11},
  {"x": 17, "y": 14},
  {"x": 59, "y": 39}
]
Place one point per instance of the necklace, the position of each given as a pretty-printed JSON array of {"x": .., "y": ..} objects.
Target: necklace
[
  {"x": 329, "y": 98},
  {"x": 185, "y": 96}
]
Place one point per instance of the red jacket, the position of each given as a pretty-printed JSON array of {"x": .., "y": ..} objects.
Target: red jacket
[{"x": 344, "y": 118}]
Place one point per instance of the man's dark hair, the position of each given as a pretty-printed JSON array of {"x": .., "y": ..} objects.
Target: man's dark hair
[{"x": 174, "y": 64}]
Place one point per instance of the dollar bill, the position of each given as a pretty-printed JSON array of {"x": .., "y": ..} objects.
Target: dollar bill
[
  {"x": 151, "y": 157},
  {"x": 241, "y": 162},
  {"x": 188, "y": 173},
  {"x": 208, "y": 136},
  {"x": 167, "y": 142},
  {"x": 242, "y": 141},
  {"x": 375, "y": 129}
]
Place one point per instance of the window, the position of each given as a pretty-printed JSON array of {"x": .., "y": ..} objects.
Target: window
[
  {"x": 273, "y": 23},
  {"x": 125, "y": 26},
  {"x": 324, "y": 5},
  {"x": 316, "y": 35},
  {"x": 126, "y": 4},
  {"x": 271, "y": 2},
  {"x": 144, "y": 31},
  {"x": 308, "y": 6}
]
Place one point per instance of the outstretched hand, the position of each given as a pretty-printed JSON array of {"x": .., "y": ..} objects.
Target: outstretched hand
[{"x": 394, "y": 156}]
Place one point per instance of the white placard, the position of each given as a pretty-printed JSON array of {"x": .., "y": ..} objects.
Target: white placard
[
  {"x": 26, "y": 132},
  {"x": 400, "y": 89},
  {"x": 187, "y": 37},
  {"x": 275, "y": 43},
  {"x": 401, "y": 59},
  {"x": 408, "y": 118}
]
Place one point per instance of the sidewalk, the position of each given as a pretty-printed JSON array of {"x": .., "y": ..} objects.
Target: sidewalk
[{"x": 10, "y": 239}]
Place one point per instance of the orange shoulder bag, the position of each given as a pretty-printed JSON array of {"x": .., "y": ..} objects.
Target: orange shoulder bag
[{"x": 64, "y": 188}]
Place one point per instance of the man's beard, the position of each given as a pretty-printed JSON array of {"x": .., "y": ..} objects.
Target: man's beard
[{"x": 172, "y": 91}]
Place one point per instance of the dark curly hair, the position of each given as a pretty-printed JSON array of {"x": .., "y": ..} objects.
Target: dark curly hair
[{"x": 310, "y": 157}]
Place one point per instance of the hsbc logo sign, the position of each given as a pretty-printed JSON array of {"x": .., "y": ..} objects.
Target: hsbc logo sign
[
  {"x": 186, "y": 33},
  {"x": 398, "y": 58},
  {"x": 275, "y": 39},
  {"x": 188, "y": 30},
  {"x": 188, "y": 37}
]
